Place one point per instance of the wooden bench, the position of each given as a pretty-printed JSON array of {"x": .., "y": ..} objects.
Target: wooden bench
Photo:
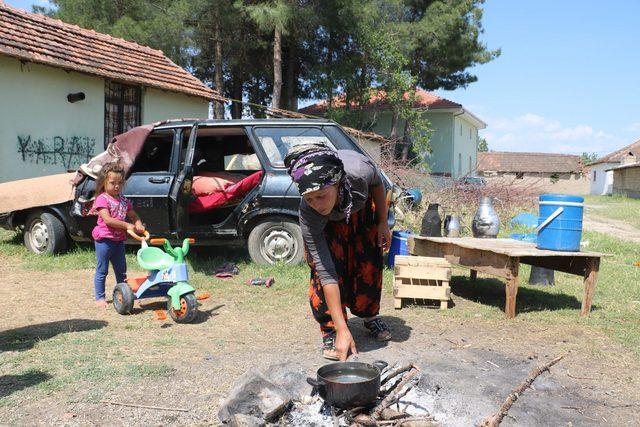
[{"x": 502, "y": 258}]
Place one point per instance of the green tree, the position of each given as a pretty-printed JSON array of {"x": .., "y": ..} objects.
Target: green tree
[
  {"x": 483, "y": 146},
  {"x": 588, "y": 158}
]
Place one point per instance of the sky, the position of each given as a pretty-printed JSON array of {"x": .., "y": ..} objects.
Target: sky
[{"x": 566, "y": 80}]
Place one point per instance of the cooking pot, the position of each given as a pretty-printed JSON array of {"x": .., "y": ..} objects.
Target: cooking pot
[{"x": 348, "y": 384}]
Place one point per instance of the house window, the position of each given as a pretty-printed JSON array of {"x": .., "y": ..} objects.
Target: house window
[
  {"x": 459, "y": 164},
  {"x": 594, "y": 176},
  {"x": 121, "y": 109},
  {"x": 469, "y": 133},
  {"x": 460, "y": 129},
  {"x": 470, "y": 166}
]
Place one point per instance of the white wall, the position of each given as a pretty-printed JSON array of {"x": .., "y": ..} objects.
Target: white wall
[
  {"x": 603, "y": 183},
  {"x": 465, "y": 149},
  {"x": 158, "y": 105},
  {"x": 41, "y": 133}
]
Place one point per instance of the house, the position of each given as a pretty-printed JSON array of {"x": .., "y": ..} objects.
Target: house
[
  {"x": 626, "y": 177},
  {"x": 601, "y": 171},
  {"x": 455, "y": 129},
  {"x": 66, "y": 91},
  {"x": 546, "y": 172}
]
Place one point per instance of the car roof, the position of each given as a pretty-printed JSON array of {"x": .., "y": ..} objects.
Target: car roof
[{"x": 241, "y": 122}]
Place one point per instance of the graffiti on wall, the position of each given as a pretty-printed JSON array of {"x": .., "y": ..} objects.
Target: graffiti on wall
[{"x": 69, "y": 151}]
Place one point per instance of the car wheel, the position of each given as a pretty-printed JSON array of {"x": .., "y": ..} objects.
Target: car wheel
[
  {"x": 45, "y": 233},
  {"x": 274, "y": 241}
]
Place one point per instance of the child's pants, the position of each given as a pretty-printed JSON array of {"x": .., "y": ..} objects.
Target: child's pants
[{"x": 108, "y": 250}]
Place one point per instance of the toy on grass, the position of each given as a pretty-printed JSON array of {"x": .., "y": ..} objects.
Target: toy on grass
[{"x": 167, "y": 277}]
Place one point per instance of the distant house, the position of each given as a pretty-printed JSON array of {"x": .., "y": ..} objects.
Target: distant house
[
  {"x": 626, "y": 177},
  {"x": 601, "y": 171},
  {"x": 455, "y": 130},
  {"x": 552, "y": 172},
  {"x": 66, "y": 91}
]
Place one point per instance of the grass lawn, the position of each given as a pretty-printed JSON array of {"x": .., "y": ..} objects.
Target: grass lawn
[
  {"x": 615, "y": 311},
  {"x": 615, "y": 207}
]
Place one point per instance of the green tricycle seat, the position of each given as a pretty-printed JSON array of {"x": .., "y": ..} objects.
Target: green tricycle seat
[{"x": 151, "y": 258}]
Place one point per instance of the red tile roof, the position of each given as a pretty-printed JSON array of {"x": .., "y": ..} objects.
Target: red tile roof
[
  {"x": 378, "y": 101},
  {"x": 616, "y": 156},
  {"x": 36, "y": 38},
  {"x": 502, "y": 161}
]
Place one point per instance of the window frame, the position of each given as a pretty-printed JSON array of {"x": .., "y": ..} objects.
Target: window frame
[{"x": 120, "y": 104}]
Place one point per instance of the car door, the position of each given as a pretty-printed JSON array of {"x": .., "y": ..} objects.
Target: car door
[
  {"x": 151, "y": 181},
  {"x": 180, "y": 194}
]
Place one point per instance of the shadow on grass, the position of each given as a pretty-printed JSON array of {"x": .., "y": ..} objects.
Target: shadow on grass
[
  {"x": 21, "y": 339},
  {"x": 399, "y": 329},
  {"x": 206, "y": 259},
  {"x": 11, "y": 383},
  {"x": 492, "y": 292}
]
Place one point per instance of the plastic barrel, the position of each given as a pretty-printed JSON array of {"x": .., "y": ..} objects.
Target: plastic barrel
[
  {"x": 398, "y": 246},
  {"x": 564, "y": 232}
]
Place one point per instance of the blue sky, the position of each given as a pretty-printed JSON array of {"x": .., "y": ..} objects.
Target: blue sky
[{"x": 566, "y": 80}]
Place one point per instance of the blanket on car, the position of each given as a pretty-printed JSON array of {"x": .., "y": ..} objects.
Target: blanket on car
[
  {"x": 32, "y": 192},
  {"x": 124, "y": 148}
]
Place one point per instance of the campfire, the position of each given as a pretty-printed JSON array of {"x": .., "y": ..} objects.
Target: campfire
[{"x": 392, "y": 407}]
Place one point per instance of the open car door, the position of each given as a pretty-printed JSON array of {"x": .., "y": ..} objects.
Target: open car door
[{"x": 180, "y": 195}]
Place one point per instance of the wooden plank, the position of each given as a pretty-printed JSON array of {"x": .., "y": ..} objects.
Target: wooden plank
[
  {"x": 430, "y": 273},
  {"x": 419, "y": 282},
  {"x": 571, "y": 265},
  {"x": 590, "y": 278},
  {"x": 482, "y": 261},
  {"x": 420, "y": 261},
  {"x": 516, "y": 248},
  {"x": 423, "y": 292}
]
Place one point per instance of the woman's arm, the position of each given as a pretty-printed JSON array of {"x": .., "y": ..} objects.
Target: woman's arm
[
  {"x": 380, "y": 200},
  {"x": 344, "y": 340}
]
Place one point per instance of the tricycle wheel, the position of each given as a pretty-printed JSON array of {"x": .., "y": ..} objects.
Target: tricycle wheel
[
  {"x": 123, "y": 298},
  {"x": 188, "y": 309}
]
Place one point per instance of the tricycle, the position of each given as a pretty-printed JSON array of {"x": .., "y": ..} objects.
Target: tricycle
[{"x": 167, "y": 277}]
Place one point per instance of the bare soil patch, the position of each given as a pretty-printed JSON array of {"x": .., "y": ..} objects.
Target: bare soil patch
[{"x": 60, "y": 356}]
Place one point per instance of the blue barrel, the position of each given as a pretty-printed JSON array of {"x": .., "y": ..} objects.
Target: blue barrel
[
  {"x": 563, "y": 232},
  {"x": 398, "y": 246}
]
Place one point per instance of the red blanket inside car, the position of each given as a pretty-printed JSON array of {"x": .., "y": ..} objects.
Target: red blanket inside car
[{"x": 230, "y": 194}]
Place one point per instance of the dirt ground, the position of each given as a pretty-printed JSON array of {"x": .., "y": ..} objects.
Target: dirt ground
[
  {"x": 470, "y": 365},
  {"x": 594, "y": 222}
]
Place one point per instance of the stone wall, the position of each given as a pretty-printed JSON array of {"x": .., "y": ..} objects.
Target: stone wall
[{"x": 627, "y": 182}]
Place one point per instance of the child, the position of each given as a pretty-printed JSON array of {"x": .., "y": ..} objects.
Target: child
[{"x": 110, "y": 232}]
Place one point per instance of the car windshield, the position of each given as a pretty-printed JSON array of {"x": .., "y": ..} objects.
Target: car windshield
[{"x": 277, "y": 142}]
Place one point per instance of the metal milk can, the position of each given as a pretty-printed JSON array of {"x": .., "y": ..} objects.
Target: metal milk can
[
  {"x": 452, "y": 226},
  {"x": 431, "y": 222},
  {"x": 486, "y": 223}
]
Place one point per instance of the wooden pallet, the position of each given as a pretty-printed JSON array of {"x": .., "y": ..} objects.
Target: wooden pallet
[{"x": 423, "y": 278}]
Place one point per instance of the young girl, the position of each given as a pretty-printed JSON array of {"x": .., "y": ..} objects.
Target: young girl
[
  {"x": 343, "y": 218},
  {"x": 110, "y": 232}
]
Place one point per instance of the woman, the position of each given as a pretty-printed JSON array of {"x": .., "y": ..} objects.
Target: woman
[{"x": 343, "y": 217}]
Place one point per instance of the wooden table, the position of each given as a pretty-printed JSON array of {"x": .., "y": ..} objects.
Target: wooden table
[{"x": 502, "y": 258}]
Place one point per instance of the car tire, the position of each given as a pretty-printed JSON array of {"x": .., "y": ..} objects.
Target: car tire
[
  {"x": 44, "y": 233},
  {"x": 276, "y": 240}
]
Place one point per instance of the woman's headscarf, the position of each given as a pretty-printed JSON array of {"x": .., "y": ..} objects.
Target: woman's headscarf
[{"x": 314, "y": 167}]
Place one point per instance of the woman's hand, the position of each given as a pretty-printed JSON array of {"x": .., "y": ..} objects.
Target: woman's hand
[
  {"x": 344, "y": 343},
  {"x": 384, "y": 235}
]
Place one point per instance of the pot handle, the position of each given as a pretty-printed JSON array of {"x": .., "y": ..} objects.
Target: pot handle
[
  {"x": 380, "y": 364},
  {"x": 316, "y": 383}
]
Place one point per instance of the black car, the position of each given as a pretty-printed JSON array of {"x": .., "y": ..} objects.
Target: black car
[{"x": 161, "y": 178}]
